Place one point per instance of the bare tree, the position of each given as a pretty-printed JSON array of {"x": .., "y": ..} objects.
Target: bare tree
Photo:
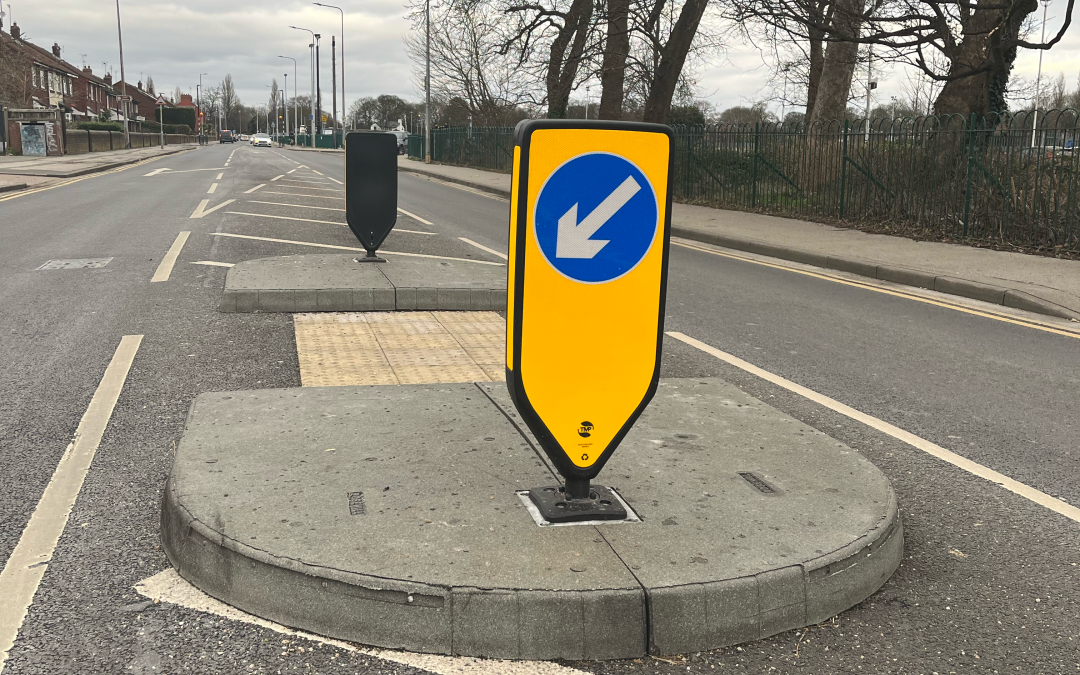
[
  {"x": 14, "y": 74},
  {"x": 616, "y": 51},
  {"x": 466, "y": 61},
  {"x": 230, "y": 102}
]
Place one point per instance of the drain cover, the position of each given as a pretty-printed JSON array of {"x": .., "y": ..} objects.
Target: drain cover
[{"x": 75, "y": 264}]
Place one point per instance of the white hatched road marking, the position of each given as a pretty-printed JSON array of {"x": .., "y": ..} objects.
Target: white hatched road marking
[
  {"x": 1027, "y": 492},
  {"x": 350, "y": 248},
  {"x": 484, "y": 248},
  {"x": 24, "y": 569},
  {"x": 201, "y": 209},
  {"x": 309, "y": 220},
  {"x": 167, "y": 263},
  {"x": 212, "y": 263},
  {"x": 170, "y": 587},
  {"x": 247, "y": 192},
  {"x": 415, "y": 217}
]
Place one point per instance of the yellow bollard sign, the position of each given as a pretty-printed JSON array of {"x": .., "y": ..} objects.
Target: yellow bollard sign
[{"x": 590, "y": 221}]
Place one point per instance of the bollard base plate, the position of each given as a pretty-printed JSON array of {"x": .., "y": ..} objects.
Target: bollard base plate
[{"x": 555, "y": 506}]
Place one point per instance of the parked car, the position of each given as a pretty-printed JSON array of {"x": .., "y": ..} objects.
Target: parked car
[
  {"x": 402, "y": 141},
  {"x": 261, "y": 139},
  {"x": 245, "y": 137},
  {"x": 226, "y": 136}
]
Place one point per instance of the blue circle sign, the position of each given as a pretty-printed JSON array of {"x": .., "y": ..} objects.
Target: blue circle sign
[{"x": 596, "y": 217}]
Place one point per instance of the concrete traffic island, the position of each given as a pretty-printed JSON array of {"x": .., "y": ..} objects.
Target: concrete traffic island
[
  {"x": 389, "y": 516},
  {"x": 338, "y": 283}
]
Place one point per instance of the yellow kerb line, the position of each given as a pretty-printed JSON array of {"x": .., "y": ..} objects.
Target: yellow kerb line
[{"x": 886, "y": 291}]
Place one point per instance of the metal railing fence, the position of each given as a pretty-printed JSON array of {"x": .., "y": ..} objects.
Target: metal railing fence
[{"x": 988, "y": 179}]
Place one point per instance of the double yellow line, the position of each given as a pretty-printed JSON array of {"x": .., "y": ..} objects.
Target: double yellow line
[{"x": 1046, "y": 328}]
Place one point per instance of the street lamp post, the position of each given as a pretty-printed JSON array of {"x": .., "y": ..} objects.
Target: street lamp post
[
  {"x": 123, "y": 80},
  {"x": 344, "y": 109},
  {"x": 427, "y": 82},
  {"x": 311, "y": 105},
  {"x": 285, "y": 105},
  {"x": 1038, "y": 78},
  {"x": 296, "y": 115},
  {"x": 198, "y": 108}
]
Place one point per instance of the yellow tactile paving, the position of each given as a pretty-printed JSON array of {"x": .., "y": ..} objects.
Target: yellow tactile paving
[{"x": 353, "y": 348}]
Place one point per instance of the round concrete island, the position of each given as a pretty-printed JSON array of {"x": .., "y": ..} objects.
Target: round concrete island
[{"x": 390, "y": 516}]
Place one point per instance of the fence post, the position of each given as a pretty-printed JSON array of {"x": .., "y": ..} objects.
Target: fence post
[
  {"x": 970, "y": 172},
  {"x": 843, "y": 171},
  {"x": 689, "y": 162},
  {"x": 753, "y": 189}
]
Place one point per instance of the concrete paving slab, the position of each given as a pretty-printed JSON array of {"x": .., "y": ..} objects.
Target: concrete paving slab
[
  {"x": 338, "y": 283},
  {"x": 326, "y": 509}
]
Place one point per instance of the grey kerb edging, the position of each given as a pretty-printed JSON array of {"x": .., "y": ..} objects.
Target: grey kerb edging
[{"x": 898, "y": 275}]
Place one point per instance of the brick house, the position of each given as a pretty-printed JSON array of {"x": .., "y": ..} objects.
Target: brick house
[{"x": 187, "y": 102}]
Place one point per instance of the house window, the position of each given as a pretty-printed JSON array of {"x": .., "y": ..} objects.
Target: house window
[{"x": 35, "y": 71}]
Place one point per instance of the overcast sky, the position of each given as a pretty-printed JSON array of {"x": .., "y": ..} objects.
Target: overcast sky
[{"x": 174, "y": 42}]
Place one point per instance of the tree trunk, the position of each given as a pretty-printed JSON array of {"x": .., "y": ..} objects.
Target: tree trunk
[
  {"x": 616, "y": 48},
  {"x": 817, "y": 56},
  {"x": 666, "y": 76},
  {"x": 562, "y": 68},
  {"x": 834, "y": 87},
  {"x": 983, "y": 46}
]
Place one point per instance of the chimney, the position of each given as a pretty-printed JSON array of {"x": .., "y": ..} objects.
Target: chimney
[
  {"x": 56, "y": 49},
  {"x": 108, "y": 79},
  {"x": 16, "y": 32},
  {"x": 139, "y": 85},
  {"x": 86, "y": 69}
]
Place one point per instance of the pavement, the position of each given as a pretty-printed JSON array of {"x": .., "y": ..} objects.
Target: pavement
[
  {"x": 1040, "y": 284},
  {"x": 16, "y": 170},
  {"x": 940, "y": 391}
]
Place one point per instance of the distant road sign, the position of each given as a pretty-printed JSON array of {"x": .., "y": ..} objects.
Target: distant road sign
[
  {"x": 370, "y": 188},
  {"x": 589, "y": 229},
  {"x": 161, "y": 100},
  {"x": 123, "y": 98}
]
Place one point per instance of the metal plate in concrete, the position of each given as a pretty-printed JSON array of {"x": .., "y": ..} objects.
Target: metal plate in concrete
[
  {"x": 75, "y": 264},
  {"x": 338, "y": 283},
  {"x": 441, "y": 556}
]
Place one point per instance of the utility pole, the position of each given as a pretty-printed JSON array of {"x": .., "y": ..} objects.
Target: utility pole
[
  {"x": 870, "y": 84},
  {"x": 333, "y": 73},
  {"x": 296, "y": 114},
  {"x": 318, "y": 87},
  {"x": 427, "y": 83},
  {"x": 1038, "y": 78},
  {"x": 344, "y": 109},
  {"x": 123, "y": 80}
]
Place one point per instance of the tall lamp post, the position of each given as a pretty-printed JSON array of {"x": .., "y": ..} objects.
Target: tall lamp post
[
  {"x": 427, "y": 83},
  {"x": 123, "y": 80},
  {"x": 314, "y": 77},
  {"x": 296, "y": 115},
  {"x": 1038, "y": 78},
  {"x": 198, "y": 107},
  {"x": 344, "y": 109}
]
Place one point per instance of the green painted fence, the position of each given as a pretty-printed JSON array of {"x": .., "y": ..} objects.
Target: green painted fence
[{"x": 989, "y": 180}]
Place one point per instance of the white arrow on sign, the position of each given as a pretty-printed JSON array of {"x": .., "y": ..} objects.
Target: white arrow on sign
[{"x": 572, "y": 240}]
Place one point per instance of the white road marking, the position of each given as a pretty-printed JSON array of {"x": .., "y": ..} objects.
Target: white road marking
[
  {"x": 247, "y": 192},
  {"x": 291, "y": 170},
  {"x": 305, "y": 220},
  {"x": 309, "y": 182},
  {"x": 213, "y": 189},
  {"x": 170, "y": 171},
  {"x": 201, "y": 209},
  {"x": 220, "y": 175},
  {"x": 415, "y": 217},
  {"x": 275, "y": 178},
  {"x": 166, "y": 266},
  {"x": 301, "y": 187},
  {"x": 318, "y": 172},
  {"x": 1041, "y": 498},
  {"x": 484, "y": 248},
  {"x": 297, "y": 206},
  {"x": 156, "y": 172},
  {"x": 168, "y": 586},
  {"x": 297, "y": 194},
  {"x": 24, "y": 569},
  {"x": 308, "y": 220},
  {"x": 212, "y": 263},
  {"x": 350, "y": 248},
  {"x": 336, "y": 180}
]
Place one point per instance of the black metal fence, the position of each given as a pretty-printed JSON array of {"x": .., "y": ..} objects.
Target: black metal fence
[{"x": 993, "y": 179}]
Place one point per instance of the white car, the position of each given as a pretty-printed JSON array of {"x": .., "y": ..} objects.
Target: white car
[{"x": 261, "y": 139}]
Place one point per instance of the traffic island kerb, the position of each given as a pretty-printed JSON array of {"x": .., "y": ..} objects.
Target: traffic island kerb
[
  {"x": 341, "y": 283},
  {"x": 390, "y": 516}
]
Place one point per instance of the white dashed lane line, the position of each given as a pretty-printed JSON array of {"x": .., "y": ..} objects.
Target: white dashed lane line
[
  {"x": 351, "y": 248},
  {"x": 166, "y": 267}
]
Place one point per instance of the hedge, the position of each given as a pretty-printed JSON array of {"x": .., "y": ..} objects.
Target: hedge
[
  {"x": 100, "y": 126},
  {"x": 176, "y": 116}
]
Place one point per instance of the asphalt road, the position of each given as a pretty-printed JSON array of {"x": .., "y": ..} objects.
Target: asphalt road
[{"x": 989, "y": 583}]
